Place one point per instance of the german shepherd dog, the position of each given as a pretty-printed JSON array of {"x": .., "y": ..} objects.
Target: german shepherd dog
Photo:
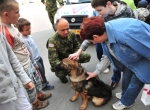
[{"x": 94, "y": 88}]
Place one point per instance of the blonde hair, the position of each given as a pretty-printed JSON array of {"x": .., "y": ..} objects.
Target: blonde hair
[{"x": 7, "y": 5}]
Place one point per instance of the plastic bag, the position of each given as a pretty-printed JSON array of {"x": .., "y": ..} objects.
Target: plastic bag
[{"x": 145, "y": 98}]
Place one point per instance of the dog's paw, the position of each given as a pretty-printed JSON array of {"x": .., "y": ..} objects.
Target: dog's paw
[
  {"x": 83, "y": 107},
  {"x": 73, "y": 99}
]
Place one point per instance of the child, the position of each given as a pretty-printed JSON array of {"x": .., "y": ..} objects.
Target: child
[
  {"x": 109, "y": 10},
  {"x": 9, "y": 13},
  {"x": 10, "y": 71},
  {"x": 24, "y": 28}
]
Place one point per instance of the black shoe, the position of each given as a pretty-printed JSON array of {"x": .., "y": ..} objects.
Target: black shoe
[
  {"x": 113, "y": 85},
  {"x": 47, "y": 82},
  {"x": 64, "y": 80},
  {"x": 48, "y": 87}
]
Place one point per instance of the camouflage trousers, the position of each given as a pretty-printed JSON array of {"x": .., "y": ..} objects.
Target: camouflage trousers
[
  {"x": 51, "y": 15},
  {"x": 83, "y": 58},
  {"x": 31, "y": 72}
]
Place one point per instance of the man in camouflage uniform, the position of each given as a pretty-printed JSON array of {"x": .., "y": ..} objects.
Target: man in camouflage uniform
[
  {"x": 61, "y": 45},
  {"x": 51, "y": 7}
]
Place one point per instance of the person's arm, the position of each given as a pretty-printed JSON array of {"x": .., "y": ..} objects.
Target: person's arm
[
  {"x": 83, "y": 47},
  {"x": 52, "y": 55},
  {"x": 43, "y": 1},
  {"x": 101, "y": 66},
  {"x": 31, "y": 51},
  {"x": 16, "y": 66},
  {"x": 61, "y": 3}
]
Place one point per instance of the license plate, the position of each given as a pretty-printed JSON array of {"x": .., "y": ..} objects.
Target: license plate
[{"x": 76, "y": 31}]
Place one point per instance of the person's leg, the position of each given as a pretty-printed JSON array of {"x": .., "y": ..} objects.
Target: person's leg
[
  {"x": 99, "y": 51},
  {"x": 22, "y": 102},
  {"x": 131, "y": 91},
  {"x": 84, "y": 57},
  {"x": 61, "y": 74},
  {"x": 45, "y": 85},
  {"x": 7, "y": 106},
  {"x": 51, "y": 15},
  {"x": 126, "y": 79},
  {"x": 34, "y": 94},
  {"x": 31, "y": 93},
  {"x": 131, "y": 87},
  {"x": 115, "y": 78},
  {"x": 42, "y": 72}
]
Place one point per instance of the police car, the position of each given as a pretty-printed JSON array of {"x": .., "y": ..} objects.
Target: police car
[{"x": 75, "y": 11}]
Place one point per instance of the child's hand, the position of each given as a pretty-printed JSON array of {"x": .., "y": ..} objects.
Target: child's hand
[
  {"x": 91, "y": 75},
  {"x": 74, "y": 56},
  {"x": 36, "y": 67},
  {"x": 29, "y": 86}
]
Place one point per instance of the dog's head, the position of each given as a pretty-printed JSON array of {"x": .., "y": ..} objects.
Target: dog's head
[{"x": 73, "y": 67}]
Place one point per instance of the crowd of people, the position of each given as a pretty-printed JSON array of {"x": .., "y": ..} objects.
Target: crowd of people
[{"x": 125, "y": 50}]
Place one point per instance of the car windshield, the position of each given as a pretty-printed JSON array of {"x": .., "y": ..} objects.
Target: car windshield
[{"x": 77, "y": 1}]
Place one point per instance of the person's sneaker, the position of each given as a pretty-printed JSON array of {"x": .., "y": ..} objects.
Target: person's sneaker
[
  {"x": 48, "y": 87},
  {"x": 64, "y": 80},
  {"x": 119, "y": 106},
  {"x": 106, "y": 71},
  {"x": 119, "y": 95},
  {"x": 113, "y": 85}
]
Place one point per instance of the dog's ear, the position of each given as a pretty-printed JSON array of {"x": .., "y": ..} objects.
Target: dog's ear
[{"x": 80, "y": 69}]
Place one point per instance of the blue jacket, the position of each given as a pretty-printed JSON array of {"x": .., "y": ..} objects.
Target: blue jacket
[{"x": 130, "y": 44}]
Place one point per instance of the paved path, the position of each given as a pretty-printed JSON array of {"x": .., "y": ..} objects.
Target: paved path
[{"x": 61, "y": 94}]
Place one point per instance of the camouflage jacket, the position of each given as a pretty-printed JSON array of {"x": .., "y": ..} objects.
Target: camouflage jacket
[
  {"x": 59, "y": 48},
  {"x": 51, "y": 5}
]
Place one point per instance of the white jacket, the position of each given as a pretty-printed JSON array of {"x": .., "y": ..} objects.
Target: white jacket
[{"x": 10, "y": 71}]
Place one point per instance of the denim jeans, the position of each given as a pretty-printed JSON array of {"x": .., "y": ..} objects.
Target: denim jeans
[
  {"x": 116, "y": 76},
  {"x": 99, "y": 51},
  {"x": 131, "y": 87},
  {"x": 42, "y": 72}
]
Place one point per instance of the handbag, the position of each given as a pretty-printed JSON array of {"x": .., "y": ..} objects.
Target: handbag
[{"x": 145, "y": 98}]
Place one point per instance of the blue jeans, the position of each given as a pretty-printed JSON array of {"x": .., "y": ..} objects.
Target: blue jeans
[
  {"x": 116, "y": 76},
  {"x": 131, "y": 87},
  {"x": 99, "y": 51}
]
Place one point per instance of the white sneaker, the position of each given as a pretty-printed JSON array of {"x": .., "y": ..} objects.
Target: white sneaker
[
  {"x": 119, "y": 106},
  {"x": 119, "y": 95},
  {"x": 106, "y": 71}
]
